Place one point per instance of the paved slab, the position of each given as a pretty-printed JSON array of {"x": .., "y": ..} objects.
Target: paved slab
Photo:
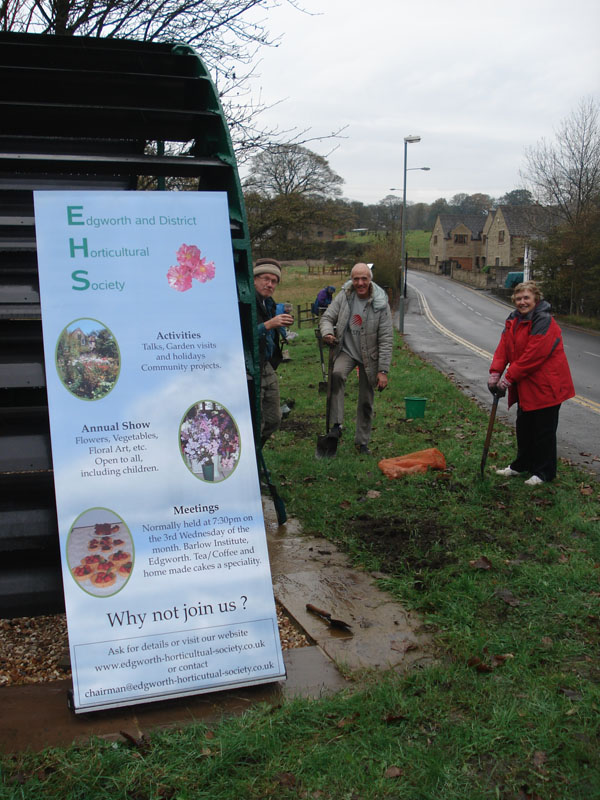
[
  {"x": 36, "y": 716},
  {"x": 305, "y": 570},
  {"x": 309, "y": 570}
]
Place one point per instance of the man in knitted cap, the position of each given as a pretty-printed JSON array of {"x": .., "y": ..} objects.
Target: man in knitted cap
[{"x": 267, "y": 274}]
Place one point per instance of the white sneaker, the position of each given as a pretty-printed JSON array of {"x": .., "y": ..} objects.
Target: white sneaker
[
  {"x": 507, "y": 472},
  {"x": 535, "y": 480}
]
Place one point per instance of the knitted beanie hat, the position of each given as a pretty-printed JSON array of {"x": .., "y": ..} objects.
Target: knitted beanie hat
[{"x": 267, "y": 266}]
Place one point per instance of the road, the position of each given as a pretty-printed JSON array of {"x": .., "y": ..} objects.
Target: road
[{"x": 457, "y": 329}]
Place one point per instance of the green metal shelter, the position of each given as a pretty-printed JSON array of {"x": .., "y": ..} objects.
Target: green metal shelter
[{"x": 90, "y": 114}]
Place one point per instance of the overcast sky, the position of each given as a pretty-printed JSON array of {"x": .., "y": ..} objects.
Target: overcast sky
[{"x": 477, "y": 81}]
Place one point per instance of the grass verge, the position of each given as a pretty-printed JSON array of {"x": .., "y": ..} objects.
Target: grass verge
[
  {"x": 506, "y": 577},
  {"x": 589, "y": 323}
]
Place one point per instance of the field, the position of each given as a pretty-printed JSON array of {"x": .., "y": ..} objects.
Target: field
[
  {"x": 505, "y": 577},
  {"x": 417, "y": 242}
]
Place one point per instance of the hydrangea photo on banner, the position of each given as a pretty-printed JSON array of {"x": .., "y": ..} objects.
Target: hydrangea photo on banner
[{"x": 190, "y": 264}]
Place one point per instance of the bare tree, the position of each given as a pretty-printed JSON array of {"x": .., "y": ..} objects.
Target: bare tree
[
  {"x": 279, "y": 223},
  {"x": 289, "y": 192},
  {"x": 226, "y": 33},
  {"x": 222, "y": 27},
  {"x": 565, "y": 173},
  {"x": 292, "y": 169}
]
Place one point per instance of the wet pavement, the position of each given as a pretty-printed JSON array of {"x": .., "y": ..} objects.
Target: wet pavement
[
  {"x": 37, "y": 716},
  {"x": 305, "y": 570},
  {"x": 308, "y": 570}
]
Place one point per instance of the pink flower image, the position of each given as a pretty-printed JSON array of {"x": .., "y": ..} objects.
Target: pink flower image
[
  {"x": 203, "y": 271},
  {"x": 188, "y": 255},
  {"x": 179, "y": 278},
  {"x": 190, "y": 264}
]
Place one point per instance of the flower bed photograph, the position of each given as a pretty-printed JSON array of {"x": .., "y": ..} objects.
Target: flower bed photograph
[{"x": 87, "y": 359}]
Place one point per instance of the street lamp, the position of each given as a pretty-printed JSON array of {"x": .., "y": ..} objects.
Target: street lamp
[{"x": 407, "y": 140}]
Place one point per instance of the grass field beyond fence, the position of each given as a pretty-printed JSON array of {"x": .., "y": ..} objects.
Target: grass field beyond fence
[
  {"x": 417, "y": 242},
  {"x": 505, "y": 577}
]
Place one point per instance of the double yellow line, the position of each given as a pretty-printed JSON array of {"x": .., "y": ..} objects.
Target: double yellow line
[{"x": 582, "y": 401}]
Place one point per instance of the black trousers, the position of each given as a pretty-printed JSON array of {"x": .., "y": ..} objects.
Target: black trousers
[{"x": 536, "y": 442}]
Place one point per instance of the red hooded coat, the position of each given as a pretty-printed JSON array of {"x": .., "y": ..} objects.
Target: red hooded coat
[{"x": 538, "y": 369}]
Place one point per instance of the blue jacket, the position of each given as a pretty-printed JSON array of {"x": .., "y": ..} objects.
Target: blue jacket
[
  {"x": 269, "y": 347},
  {"x": 324, "y": 298}
]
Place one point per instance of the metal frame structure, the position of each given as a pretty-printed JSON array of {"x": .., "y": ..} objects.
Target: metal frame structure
[{"x": 90, "y": 114}]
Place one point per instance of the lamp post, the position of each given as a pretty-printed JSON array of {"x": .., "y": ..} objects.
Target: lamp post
[{"x": 407, "y": 140}]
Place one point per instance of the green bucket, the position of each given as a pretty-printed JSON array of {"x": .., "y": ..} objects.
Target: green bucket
[{"x": 415, "y": 407}]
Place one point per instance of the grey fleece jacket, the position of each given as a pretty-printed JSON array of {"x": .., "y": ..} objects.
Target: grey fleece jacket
[{"x": 376, "y": 335}]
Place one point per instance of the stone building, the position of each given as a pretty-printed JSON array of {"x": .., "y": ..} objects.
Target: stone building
[
  {"x": 498, "y": 239},
  {"x": 505, "y": 237},
  {"x": 509, "y": 230},
  {"x": 456, "y": 240}
]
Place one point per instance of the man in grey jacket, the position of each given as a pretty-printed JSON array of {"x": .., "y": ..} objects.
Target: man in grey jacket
[{"x": 358, "y": 324}]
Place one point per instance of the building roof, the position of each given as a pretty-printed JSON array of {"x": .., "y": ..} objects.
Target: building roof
[
  {"x": 527, "y": 220},
  {"x": 474, "y": 222}
]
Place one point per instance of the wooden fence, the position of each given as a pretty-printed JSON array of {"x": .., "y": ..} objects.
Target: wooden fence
[{"x": 325, "y": 269}]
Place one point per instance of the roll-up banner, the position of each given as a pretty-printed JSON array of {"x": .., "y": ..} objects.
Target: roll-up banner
[{"x": 165, "y": 567}]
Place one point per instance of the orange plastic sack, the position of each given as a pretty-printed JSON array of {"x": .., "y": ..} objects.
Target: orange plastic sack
[{"x": 420, "y": 461}]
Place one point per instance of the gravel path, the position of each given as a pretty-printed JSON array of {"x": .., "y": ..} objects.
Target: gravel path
[{"x": 36, "y": 649}]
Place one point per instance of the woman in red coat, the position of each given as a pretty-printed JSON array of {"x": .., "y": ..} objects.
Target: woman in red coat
[{"x": 538, "y": 379}]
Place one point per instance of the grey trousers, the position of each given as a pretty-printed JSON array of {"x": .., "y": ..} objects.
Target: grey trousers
[
  {"x": 270, "y": 406},
  {"x": 343, "y": 366}
]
